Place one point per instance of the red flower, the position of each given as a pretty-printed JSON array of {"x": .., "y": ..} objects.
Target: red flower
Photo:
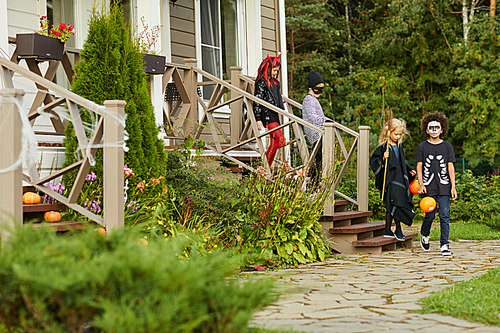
[
  {"x": 58, "y": 34},
  {"x": 62, "y": 26}
]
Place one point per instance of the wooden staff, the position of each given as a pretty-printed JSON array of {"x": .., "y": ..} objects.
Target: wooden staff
[
  {"x": 385, "y": 170},
  {"x": 389, "y": 122}
]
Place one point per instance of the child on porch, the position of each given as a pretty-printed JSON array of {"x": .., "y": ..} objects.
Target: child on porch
[
  {"x": 436, "y": 175},
  {"x": 267, "y": 88},
  {"x": 393, "y": 176},
  {"x": 312, "y": 112}
]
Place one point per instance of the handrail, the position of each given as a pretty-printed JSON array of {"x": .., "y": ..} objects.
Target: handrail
[
  {"x": 52, "y": 86},
  {"x": 258, "y": 100}
]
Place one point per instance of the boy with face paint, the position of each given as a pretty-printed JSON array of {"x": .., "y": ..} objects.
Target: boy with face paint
[
  {"x": 436, "y": 175},
  {"x": 312, "y": 112}
]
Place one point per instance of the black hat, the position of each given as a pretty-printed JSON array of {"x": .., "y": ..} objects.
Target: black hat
[{"x": 314, "y": 79}]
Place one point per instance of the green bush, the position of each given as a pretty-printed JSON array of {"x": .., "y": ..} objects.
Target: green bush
[
  {"x": 210, "y": 188},
  {"x": 478, "y": 199},
  {"x": 278, "y": 219},
  {"x": 119, "y": 284},
  {"x": 112, "y": 69}
]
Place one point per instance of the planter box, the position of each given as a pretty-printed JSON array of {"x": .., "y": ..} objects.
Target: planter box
[
  {"x": 154, "y": 64},
  {"x": 39, "y": 47}
]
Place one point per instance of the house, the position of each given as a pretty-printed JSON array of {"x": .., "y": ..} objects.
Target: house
[
  {"x": 213, "y": 49},
  {"x": 218, "y": 33}
]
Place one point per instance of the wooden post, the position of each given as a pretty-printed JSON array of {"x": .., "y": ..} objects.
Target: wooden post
[
  {"x": 191, "y": 83},
  {"x": 11, "y": 195},
  {"x": 113, "y": 166},
  {"x": 363, "y": 165},
  {"x": 236, "y": 107},
  {"x": 328, "y": 162}
]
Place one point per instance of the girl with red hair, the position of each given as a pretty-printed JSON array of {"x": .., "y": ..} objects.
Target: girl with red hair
[{"x": 268, "y": 88}]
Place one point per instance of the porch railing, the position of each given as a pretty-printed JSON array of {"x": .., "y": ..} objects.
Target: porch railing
[
  {"x": 109, "y": 130},
  {"x": 183, "y": 118}
]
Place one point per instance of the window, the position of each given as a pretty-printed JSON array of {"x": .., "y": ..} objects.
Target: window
[
  {"x": 62, "y": 11},
  {"x": 219, "y": 39}
]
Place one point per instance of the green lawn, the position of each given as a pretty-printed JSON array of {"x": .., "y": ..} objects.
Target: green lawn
[
  {"x": 465, "y": 230},
  {"x": 476, "y": 300}
]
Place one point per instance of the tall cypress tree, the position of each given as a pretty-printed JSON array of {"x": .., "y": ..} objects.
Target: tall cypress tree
[{"x": 112, "y": 69}]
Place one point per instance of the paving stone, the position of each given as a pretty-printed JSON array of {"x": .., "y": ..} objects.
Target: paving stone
[{"x": 375, "y": 293}]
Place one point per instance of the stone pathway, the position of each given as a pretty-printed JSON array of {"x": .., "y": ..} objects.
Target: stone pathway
[{"x": 375, "y": 293}]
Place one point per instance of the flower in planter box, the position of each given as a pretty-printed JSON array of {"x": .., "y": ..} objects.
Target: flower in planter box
[
  {"x": 147, "y": 39},
  {"x": 62, "y": 31}
]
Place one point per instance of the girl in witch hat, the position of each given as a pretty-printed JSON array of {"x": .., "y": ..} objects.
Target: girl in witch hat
[
  {"x": 268, "y": 88},
  {"x": 393, "y": 177}
]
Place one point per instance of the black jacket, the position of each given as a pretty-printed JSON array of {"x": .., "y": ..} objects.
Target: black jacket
[
  {"x": 263, "y": 92},
  {"x": 397, "y": 197}
]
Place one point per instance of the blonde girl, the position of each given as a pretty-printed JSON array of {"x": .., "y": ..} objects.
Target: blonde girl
[{"x": 393, "y": 177}]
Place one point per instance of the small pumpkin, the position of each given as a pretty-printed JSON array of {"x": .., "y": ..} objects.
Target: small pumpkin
[
  {"x": 427, "y": 204},
  {"x": 52, "y": 216},
  {"x": 31, "y": 198},
  {"x": 414, "y": 186},
  {"x": 101, "y": 231}
]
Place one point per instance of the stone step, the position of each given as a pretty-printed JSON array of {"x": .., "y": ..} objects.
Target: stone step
[
  {"x": 358, "y": 228},
  {"x": 381, "y": 240}
]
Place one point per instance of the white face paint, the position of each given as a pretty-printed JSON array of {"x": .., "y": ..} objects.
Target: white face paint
[{"x": 434, "y": 129}]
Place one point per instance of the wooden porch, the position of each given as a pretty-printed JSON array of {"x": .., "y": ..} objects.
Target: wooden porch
[{"x": 344, "y": 149}]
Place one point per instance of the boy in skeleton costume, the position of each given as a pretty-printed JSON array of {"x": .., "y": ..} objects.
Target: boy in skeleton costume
[{"x": 436, "y": 175}]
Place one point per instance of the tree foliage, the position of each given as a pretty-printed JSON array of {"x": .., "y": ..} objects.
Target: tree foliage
[
  {"x": 112, "y": 69},
  {"x": 409, "y": 56}
]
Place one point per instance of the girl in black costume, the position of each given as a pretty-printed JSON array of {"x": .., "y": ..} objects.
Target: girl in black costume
[{"x": 394, "y": 182}]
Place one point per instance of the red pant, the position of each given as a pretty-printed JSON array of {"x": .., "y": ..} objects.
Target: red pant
[{"x": 277, "y": 141}]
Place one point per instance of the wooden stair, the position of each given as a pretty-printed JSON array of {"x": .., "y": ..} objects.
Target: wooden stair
[
  {"x": 33, "y": 214},
  {"x": 352, "y": 232}
]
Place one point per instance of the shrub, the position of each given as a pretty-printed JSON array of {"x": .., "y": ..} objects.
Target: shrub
[
  {"x": 279, "y": 219},
  {"x": 478, "y": 198},
  {"x": 112, "y": 69},
  {"x": 117, "y": 284},
  {"x": 210, "y": 187}
]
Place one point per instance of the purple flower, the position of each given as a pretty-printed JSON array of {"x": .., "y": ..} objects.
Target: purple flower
[
  {"x": 92, "y": 206},
  {"x": 136, "y": 208},
  {"x": 59, "y": 188},
  {"x": 91, "y": 177}
]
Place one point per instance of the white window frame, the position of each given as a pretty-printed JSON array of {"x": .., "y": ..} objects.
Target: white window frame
[{"x": 225, "y": 111}]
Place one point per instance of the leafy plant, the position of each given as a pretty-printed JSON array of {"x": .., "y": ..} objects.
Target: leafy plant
[
  {"x": 67, "y": 283},
  {"x": 279, "y": 218},
  {"x": 62, "y": 31}
]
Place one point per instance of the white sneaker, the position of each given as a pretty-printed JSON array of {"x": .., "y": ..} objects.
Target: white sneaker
[
  {"x": 445, "y": 250},
  {"x": 424, "y": 242}
]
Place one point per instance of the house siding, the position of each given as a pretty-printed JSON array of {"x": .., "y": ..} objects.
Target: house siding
[
  {"x": 182, "y": 31},
  {"x": 269, "y": 28}
]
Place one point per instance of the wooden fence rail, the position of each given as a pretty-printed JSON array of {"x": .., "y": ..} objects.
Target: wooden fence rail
[{"x": 110, "y": 128}]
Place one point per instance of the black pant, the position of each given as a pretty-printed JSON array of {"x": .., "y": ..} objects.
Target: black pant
[{"x": 316, "y": 168}]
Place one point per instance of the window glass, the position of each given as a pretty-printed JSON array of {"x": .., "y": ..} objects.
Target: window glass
[{"x": 219, "y": 39}]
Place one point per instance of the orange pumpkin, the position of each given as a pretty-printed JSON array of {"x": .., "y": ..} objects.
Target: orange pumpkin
[
  {"x": 31, "y": 198},
  {"x": 427, "y": 204},
  {"x": 414, "y": 186},
  {"x": 101, "y": 231},
  {"x": 52, "y": 216}
]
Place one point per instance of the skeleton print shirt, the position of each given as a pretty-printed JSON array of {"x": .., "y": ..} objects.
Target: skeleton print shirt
[{"x": 435, "y": 158}]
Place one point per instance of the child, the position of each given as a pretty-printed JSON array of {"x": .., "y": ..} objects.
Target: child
[
  {"x": 436, "y": 175},
  {"x": 395, "y": 191},
  {"x": 267, "y": 87},
  {"x": 312, "y": 112}
]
